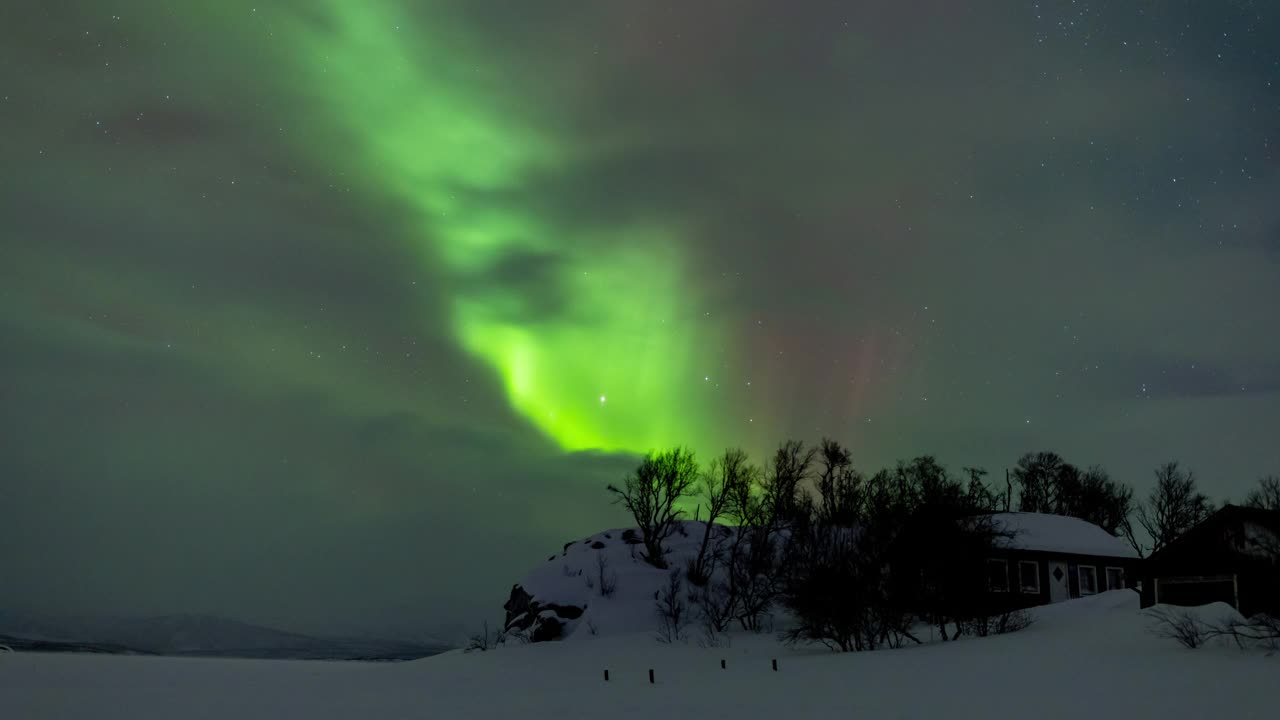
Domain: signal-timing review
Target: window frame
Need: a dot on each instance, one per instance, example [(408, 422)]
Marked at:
[(1080, 579), (1003, 564), (1022, 582), (1107, 572)]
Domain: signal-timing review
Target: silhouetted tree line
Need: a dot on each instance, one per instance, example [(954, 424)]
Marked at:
[(859, 560), (1049, 484)]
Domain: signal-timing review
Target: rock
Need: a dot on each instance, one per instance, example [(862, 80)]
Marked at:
[(548, 628), (568, 612), (597, 545), (517, 605), (539, 621), (630, 537)]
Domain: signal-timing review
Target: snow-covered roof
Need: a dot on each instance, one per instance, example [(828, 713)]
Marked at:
[(1059, 533)]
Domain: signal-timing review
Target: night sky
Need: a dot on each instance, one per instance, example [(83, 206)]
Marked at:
[(338, 314)]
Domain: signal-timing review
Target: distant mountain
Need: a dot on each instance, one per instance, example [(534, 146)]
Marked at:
[(194, 635), (30, 645)]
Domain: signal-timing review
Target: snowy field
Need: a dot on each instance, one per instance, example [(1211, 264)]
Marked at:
[(1091, 658)]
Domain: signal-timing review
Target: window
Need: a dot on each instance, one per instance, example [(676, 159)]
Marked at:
[(1115, 578), (998, 576), (1029, 576), (1088, 579)]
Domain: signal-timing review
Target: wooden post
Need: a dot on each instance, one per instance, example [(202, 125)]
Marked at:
[(721, 663), (650, 676), (1235, 591), (606, 676), (1155, 588), (775, 664)]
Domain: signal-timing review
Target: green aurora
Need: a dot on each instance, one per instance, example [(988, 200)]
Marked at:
[(426, 120)]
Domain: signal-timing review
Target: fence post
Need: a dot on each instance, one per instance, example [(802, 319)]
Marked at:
[(721, 663), (775, 664), (606, 676), (650, 676)]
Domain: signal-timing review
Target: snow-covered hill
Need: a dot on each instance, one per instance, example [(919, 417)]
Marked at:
[(1091, 658), (568, 595)]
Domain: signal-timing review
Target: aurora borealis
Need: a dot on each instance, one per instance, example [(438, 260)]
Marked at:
[(303, 298), (456, 146)]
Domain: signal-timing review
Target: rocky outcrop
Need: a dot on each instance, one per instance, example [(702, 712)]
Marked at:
[(538, 621), (546, 628)]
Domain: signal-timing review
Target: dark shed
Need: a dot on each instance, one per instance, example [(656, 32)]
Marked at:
[(1233, 556)]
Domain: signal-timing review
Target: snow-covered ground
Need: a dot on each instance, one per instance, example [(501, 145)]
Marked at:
[(1091, 658)]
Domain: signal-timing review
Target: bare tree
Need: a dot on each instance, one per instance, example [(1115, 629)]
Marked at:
[(764, 509), (485, 640), (1181, 625), (1266, 495), (1049, 484), (745, 505), (949, 534), (792, 465), (1260, 631), (746, 588), (607, 580), (931, 529), (1036, 475), (998, 624), (720, 484), (1093, 496), (752, 574), (1128, 532), (839, 485), (827, 585), (716, 606), (651, 494), (981, 496), (1173, 507), (671, 609)]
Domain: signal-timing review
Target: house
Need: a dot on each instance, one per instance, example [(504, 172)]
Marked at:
[(1233, 556), (1050, 558)]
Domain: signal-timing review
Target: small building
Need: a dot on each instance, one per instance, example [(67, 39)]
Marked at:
[(1052, 558), (1233, 556)]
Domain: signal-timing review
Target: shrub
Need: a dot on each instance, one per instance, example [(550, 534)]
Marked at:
[(1180, 625)]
